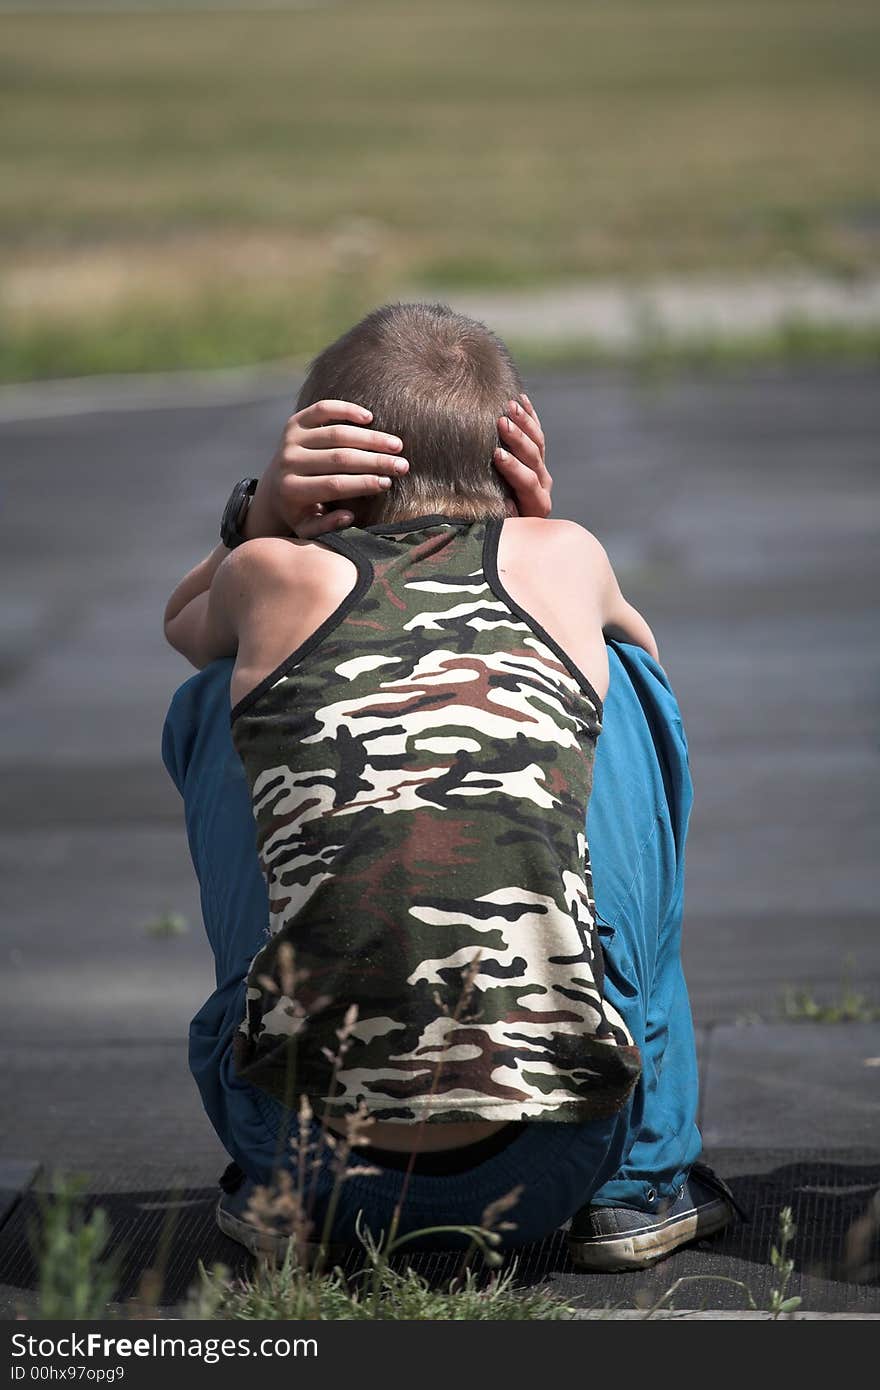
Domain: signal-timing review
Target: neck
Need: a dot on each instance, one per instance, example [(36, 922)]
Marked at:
[(376, 511)]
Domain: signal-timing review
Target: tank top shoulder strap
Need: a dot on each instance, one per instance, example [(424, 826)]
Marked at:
[(499, 589)]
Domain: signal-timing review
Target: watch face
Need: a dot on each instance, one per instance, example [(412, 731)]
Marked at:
[(235, 512)]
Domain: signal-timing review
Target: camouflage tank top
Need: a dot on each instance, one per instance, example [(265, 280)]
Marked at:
[(420, 769)]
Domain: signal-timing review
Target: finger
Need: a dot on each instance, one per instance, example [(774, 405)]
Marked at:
[(528, 428), (527, 421), (325, 412), (310, 463), (532, 498), (547, 478), (519, 443), (332, 489), (529, 407), (532, 414), (350, 437), (319, 525)]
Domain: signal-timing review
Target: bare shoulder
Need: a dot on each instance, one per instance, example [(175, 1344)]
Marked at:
[(267, 551), (272, 558), (568, 541)]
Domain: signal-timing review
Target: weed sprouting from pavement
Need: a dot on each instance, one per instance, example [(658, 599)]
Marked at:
[(76, 1273), (784, 1266), (167, 926)]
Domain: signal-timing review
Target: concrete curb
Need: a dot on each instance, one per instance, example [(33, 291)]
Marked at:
[(692, 1315), (45, 400)]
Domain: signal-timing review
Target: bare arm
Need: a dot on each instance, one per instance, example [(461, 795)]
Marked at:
[(619, 619), (585, 563), (200, 616), (195, 583)]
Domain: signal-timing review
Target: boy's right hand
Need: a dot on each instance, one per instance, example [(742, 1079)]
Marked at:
[(327, 454)]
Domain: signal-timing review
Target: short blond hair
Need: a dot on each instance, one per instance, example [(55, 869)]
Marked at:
[(439, 380)]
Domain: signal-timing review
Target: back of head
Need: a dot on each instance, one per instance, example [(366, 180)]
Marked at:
[(440, 381)]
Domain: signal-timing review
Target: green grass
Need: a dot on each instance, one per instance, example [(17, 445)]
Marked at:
[(167, 926), (286, 1293), (78, 1271), (186, 189), (225, 334), (843, 1003), (847, 1005), (850, 1006)]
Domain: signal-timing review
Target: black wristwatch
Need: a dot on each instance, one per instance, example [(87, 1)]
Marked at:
[(235, 511)]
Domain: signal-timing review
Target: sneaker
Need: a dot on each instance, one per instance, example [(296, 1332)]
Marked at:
[(622, 1238), (235, 1221)]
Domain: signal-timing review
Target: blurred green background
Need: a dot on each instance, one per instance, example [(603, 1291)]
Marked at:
[(203, 185)]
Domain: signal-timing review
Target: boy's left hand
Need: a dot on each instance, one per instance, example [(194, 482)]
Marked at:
[(521, 459)]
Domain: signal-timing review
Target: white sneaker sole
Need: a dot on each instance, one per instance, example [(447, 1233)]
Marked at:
[(247, 1234), (642, 1247)]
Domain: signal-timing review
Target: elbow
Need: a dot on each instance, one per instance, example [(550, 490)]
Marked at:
[(168, 627), (644, 638), (176, 639), (172, 611), (632, 628)]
